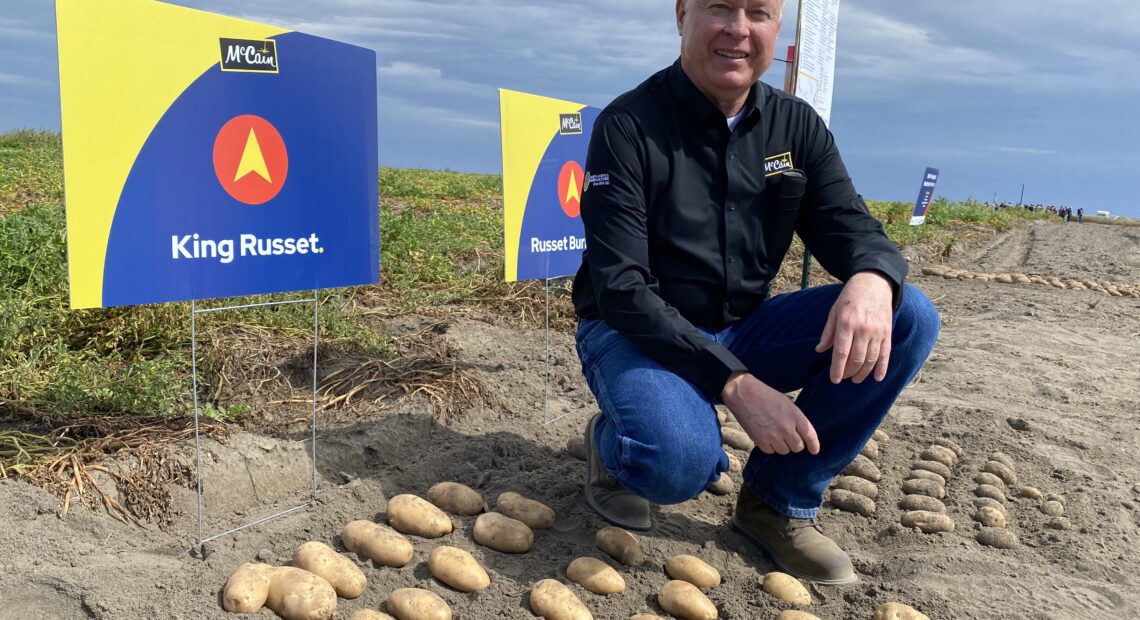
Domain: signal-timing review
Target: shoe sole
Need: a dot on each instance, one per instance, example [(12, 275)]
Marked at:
[(591, 454), (739, 529)]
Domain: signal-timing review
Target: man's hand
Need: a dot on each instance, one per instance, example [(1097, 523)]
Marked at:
[(775, 423), (859, 329)]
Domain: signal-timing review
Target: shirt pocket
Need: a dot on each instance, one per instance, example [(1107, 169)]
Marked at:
[(788, 189)]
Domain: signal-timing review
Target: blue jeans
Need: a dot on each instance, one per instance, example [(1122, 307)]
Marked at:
[(658, 435)]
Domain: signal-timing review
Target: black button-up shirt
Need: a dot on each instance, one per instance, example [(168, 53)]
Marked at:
[(687, 222)]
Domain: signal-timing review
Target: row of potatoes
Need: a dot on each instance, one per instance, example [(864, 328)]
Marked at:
[(1114, 289), (925, 488), (857, 489)]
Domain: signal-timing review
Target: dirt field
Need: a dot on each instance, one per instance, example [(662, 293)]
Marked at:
[(1048, 376)]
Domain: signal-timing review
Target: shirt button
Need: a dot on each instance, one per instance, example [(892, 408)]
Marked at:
[(732, 259), (732, 206), (732, 155)]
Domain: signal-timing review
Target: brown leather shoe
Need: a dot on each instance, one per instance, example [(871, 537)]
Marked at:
[(797, 546), (616, 504)]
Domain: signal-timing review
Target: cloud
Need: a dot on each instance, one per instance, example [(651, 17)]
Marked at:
[(894, 48), (1025, 150)]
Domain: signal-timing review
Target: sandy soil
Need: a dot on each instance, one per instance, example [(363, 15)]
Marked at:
[(1048, 376)]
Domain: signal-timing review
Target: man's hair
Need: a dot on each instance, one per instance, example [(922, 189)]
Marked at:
[(689, 3)]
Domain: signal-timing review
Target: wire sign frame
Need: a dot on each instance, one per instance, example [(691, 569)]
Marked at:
[(194, 312)]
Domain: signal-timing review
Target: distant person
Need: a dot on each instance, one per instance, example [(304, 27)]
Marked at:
[(709, 174), (1080, 214)]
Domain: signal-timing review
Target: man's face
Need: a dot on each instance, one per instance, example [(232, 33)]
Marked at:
[(727, 44)]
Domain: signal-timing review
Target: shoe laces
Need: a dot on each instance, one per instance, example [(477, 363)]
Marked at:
[(799, 524)]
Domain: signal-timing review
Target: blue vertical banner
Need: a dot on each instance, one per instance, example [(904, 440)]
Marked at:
[(929, 180)]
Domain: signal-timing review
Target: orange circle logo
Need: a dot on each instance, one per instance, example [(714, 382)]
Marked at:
[(570, 188), (250, 159)]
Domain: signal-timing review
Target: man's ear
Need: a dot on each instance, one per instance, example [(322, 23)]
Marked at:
[(680, 15)]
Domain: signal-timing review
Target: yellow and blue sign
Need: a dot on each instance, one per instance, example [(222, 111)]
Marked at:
[(207, 156), (544, 153)]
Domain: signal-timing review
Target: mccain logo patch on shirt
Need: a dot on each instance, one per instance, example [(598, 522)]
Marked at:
[(778, 163)]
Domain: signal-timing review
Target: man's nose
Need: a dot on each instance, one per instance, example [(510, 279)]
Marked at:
[(737, 24)]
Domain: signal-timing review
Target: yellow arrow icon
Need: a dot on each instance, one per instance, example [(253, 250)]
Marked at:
[(572, 188), (252, 160)]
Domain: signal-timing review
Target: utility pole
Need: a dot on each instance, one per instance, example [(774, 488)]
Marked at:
[(1022, 199)]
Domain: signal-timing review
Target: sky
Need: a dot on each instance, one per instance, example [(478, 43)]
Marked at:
[(995, 94)]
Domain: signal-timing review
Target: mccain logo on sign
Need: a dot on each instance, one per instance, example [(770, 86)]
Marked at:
[(571, 124), (249, 55)]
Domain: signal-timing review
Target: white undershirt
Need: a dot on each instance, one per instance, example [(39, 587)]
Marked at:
[(734, 120)]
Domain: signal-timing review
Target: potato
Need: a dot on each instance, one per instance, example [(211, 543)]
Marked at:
[(923, 487), (683, 600), (368, 614), (880, 436), (723, 486), (1030, 493), (992, 492), (862, 467), (551, 600), (694, 570), (736, 438), (990, 517), (922, 474), (1053, 497), (410, 514), (535, 514), (1053, 508), (997, 537), (852, 502), (928, 522), (595, 576), (786, 588), (922, 502), (417, 604), (458, 569), (982, 502), (296, 594), (933, 466), (871, 450), (645, 617), (247, 589), (375, 542), (502, 533), (940, 454), (990, 479), (458, 499), (795, 614), (576, 447), (936, 270), (1004, 459), (323, 561), (856, 485), (1002, 471), (620, 545), (1004, 278), (898, 611), (735, 465)]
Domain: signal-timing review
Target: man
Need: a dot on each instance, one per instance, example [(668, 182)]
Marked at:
[(696, 181)]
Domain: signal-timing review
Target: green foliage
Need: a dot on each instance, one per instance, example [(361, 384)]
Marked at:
[(442, 238), (441, 243)]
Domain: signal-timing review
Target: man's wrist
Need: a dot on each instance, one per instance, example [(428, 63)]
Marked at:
[(730, 385)]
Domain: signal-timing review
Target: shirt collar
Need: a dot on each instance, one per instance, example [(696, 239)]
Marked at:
[(694, 102)]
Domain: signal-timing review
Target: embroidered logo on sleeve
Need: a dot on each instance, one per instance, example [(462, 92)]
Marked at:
[(778, 163), (595, 180)]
